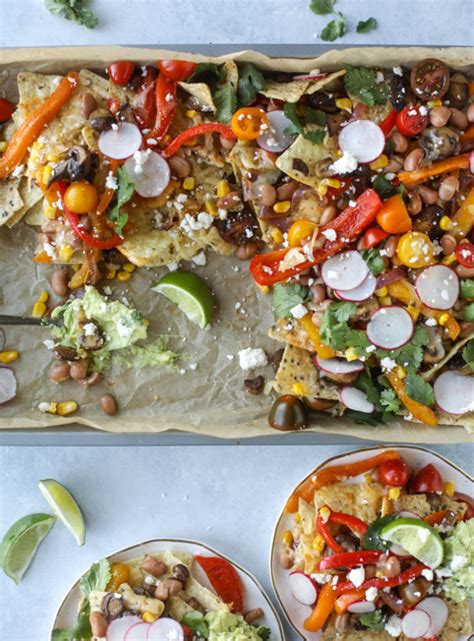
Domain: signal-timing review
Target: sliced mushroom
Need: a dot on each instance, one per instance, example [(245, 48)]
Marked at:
[(318, 404), (439, 142), (80, 164), (180, 573), (101, 120), (111, 606), (434, 351), (342, 378)]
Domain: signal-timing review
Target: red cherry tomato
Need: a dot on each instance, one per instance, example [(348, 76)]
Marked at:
[(121, 71), (176, 69), (394, 473), (374, 237), (427, 480), (464, 498), (410, 122), (6, 109), (465, 254)]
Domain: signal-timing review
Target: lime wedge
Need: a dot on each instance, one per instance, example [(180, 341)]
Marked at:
[(21, 541), (190, 293), (417, 538), (65, 507)]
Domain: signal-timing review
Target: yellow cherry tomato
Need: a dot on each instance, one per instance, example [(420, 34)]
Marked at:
[(299, 231), (81, 197), (415, 250), (249, 123), (119, 573)]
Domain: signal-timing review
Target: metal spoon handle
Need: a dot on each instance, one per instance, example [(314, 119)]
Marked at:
[(21, 320)]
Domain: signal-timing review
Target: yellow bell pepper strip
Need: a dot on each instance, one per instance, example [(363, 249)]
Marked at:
[(314, 335), (463, 219), (34, 124), (323, 608), (409, 178), (419, 411)]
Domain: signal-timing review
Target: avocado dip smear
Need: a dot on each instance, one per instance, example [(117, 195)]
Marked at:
[(459, 562), (106, 331), (225, 626)]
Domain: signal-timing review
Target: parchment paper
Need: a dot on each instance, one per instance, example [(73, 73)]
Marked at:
[(208, 400)]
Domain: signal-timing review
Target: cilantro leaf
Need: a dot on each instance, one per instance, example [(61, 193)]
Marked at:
[(361, 82), (322, 7), (82, 629), (285, 297), (73, 10), (372, 620), (125, 191), (316, 136), (334, 29), (419, 390), (361, 418), (195, 620), (207, 72), (290, 111), (338, 334), (251, 81), (343, 311), (264, 632), (364, 26), (225, 101), (469, 313), (383, 187), (96, 578), (314, 116), (390, 401), (467, 288), (410, 355), (365, 383), (374, 260), (468, 355)]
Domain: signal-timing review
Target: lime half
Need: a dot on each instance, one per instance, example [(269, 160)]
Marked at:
[(65, 506), (21, 541), (417, 538), (190, 293)]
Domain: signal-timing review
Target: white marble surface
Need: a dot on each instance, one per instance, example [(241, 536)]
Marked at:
[(227, 496), (430, 22)]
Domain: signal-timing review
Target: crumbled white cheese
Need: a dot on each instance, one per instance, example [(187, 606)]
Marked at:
[(431, 322), (17, 172), (90, 329), (111, 181), (458, 562), (199, 259), (44, 407), (379, 77), (371, 594), (393, 627), (172, 266), (321, 578), (123, 329), (252, 357), (356, 576), (346, 164), (48, 343), (387, 364), (397, 71), (298, 311), (140, 158), (330, 234), (423, 534), (428, 574)]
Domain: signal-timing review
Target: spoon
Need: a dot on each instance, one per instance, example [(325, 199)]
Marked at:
[(27, 320)]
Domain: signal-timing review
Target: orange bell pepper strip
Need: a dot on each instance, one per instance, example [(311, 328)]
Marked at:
[(334, 474), (419, 411), (394, 217), (346, 599), (435, 518), (42, 257), (314, 335), (34, 124), (468, 135), (323, 609), (463, 219), (410, 178)]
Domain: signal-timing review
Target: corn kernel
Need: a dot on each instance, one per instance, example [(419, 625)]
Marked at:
[(54, 157), (190, 113), (265, 289), (385, 301), (435, 103), (277, 235), (223, 188), (368, 478), (50, 212), (9, 356), (39, 310), (443, 319), (400, 372), (66, 252), (394, 493), (297, 518), (446, 223), (288, 538), (325, 513), (110, 274), (45, 176), (351, 354), (413, 311), (449, 260), (282, 207), (146, 322), (43, 297), (379, 574), (318, 543), (211, 207), (67, 407), (322, 189), (3, 146), (189, 183), (332, 182), (53, 408), (299, 389), (387, 506), (149, 617), (381, 292), (449, 488), (123, 276), (129, 267), (380, 163), (344, 103)]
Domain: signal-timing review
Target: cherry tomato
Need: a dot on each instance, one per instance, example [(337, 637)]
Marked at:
[(427, 480), (121, 71), (119, 573), (113, 105), (249, 123), (299, 231), (465, 254), (394, 473), (81, 197), (464, 498), (374, 237), (411, 121), (176, 69), (415, 250), (6, 109), (429, 79)]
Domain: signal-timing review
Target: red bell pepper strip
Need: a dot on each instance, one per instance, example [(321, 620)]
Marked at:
[(35, 123), (349, 559), (322, 528), (374, 236), (224, 579), (198, 130), (144, 104), (389, 123), (348, 225), (166, 104), (75, 222), (334, 192), (352, 522), (386, 582)]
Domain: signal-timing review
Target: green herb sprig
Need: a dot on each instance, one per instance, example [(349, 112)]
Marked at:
[(73, 10)]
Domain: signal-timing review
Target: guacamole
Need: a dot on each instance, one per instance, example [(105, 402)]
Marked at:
[(459, 562), (224, 626)]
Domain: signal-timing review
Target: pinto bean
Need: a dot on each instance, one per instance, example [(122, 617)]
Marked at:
[(286, 191), (88, 105), (226, 143), (59, 282), (108, 405), (464, 272), (98, 623), (439, 116), (59, 372), (78, 369), (328, 214), (415, 204), (179, 166), (319, 293), (390, 246), (392, 567), (253, 615), (167, 588), (268, 195), (229, 201), (153, 566), (467, 328), (393, 167), (458, 119), (246, 252), (285, 559), (448, 188), (413, 159), (428, 196), (448, 244), (400, 142)]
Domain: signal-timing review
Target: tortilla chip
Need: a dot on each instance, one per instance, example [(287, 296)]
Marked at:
[(10, 199), (288, 330), (35, 215), (307, 532), (452, 352), (292, 91), (31, 195), (305, 150), (416, 503), (330, 634), (201, 94), (458, 623), (358, 499)]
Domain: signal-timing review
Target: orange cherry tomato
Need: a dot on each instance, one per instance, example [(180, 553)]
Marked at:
[(119, 573), (374, 237), (299, 231), (249, 123), (6, 109), (410, 120), (81, 197), (394, 217), (121, 71), (177, 70)]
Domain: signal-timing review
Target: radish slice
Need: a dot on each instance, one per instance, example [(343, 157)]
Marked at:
[(438, 287), (7, 385), (316, 76), (362, 607), (338, 365), (363, 139), (345, 271), (138, 632), (406, 514), (438, 612), (416, 624), (454, 392), (119, 627), (275, 139), (303, 588), (120, 142), (165, 629), (390, 327), (150, 173), (471, 162), (364, 291), (356, 399)]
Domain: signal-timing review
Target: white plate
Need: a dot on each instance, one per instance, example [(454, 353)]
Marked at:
[(416, 457), (255, 596)]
